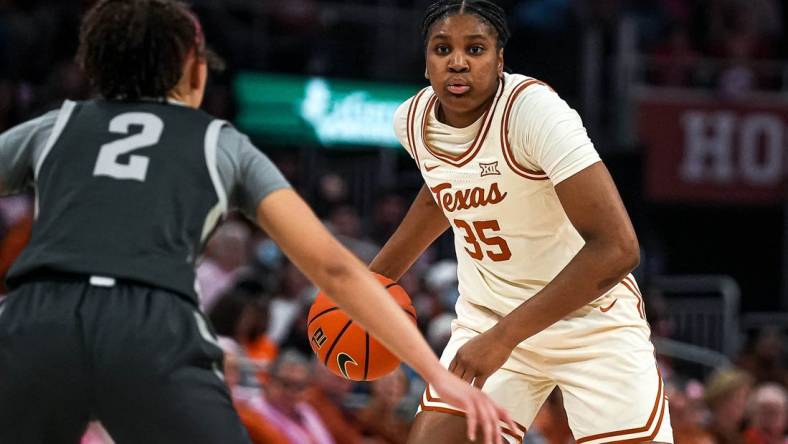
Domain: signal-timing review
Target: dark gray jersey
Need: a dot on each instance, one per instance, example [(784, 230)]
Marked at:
[(129, 190)]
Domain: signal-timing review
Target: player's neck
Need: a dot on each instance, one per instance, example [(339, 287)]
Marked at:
[(182, 99), (461, 119)]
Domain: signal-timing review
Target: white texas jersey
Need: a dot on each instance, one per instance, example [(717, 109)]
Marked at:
[(511, 234)]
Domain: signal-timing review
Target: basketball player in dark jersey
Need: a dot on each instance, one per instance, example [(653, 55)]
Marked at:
[(102, 319)]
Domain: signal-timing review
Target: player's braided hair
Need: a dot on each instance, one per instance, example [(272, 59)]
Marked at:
[(486, 10), (133, 49)]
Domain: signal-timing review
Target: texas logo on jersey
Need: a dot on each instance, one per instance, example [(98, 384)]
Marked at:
[(464, 199)]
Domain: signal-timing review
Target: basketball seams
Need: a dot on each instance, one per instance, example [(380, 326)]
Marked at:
[(326, 311), (405, 309), (336, 340), (366, 354)]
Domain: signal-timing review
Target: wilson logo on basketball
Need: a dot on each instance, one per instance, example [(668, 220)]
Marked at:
[(319, 338), (454, 200)]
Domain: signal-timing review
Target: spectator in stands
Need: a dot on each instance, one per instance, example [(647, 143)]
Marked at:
[(242, 314), (326, 395), (687, 413), (439, 331), (389, 211), (675, 60), (16, 221), (345, 224), (95, 434), (296, 337), (766, 359), (290, 376), (737, 35), (768, 415), (726, 395), (331, 193), (290, 308), (248, 399), (380, 417), (224, 256)]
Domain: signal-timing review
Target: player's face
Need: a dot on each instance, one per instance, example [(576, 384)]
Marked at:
[(463, 66)]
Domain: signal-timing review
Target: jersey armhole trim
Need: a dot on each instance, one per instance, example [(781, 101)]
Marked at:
[(508, 153), (60, 124), (414, 104), (211, 153)]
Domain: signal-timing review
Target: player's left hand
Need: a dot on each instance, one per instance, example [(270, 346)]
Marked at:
[(479, 358)]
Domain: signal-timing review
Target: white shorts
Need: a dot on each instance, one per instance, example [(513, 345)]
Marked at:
[(602, 361)]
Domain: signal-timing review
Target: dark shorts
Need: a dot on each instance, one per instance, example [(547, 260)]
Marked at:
[(140, 360)]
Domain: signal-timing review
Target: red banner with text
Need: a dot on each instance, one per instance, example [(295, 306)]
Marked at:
[(708, 150)]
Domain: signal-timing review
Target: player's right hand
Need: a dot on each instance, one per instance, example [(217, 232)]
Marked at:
[(480, 411)]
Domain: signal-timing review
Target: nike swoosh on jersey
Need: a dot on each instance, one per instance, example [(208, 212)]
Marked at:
[(606, 309), (343, 359), (429, 168)]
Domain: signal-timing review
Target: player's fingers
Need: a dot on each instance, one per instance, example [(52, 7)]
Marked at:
[(470, 420), (498, 428), (458, 368), (489, 423), (453, 364), (479, 381), (459, 371), (467, 375)]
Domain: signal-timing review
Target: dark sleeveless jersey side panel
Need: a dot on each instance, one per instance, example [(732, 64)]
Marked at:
[(104, 217)]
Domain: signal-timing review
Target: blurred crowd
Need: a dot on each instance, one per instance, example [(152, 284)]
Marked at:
[(732, 45), (735, 47)]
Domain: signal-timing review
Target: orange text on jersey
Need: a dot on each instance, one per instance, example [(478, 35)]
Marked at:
[(453, 200)]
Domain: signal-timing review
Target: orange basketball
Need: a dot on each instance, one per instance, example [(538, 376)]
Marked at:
[(344, 346)]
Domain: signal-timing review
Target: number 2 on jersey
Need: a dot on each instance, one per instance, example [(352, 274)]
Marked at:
[(473, 235), (137, 167)]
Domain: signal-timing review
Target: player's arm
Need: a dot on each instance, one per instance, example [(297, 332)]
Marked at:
[(301, 236), (20, 147), (423, 223), (593, 205)]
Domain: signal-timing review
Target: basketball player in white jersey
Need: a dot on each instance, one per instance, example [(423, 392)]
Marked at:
[(544, 245)]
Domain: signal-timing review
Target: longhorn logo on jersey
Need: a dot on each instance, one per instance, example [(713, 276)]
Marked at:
[(454, 200)]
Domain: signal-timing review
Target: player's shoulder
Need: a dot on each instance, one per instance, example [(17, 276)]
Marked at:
[(407, 109), (231, 139), (413, 101), (43, 123), (518, 87)]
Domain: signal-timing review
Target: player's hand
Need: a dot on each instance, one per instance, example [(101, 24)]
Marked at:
[(479, 358), (480, 411)]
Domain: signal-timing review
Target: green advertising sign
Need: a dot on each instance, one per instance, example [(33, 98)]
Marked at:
[(294, 109)]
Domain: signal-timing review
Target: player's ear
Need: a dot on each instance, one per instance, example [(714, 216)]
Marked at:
[(199, 72), (500, 63)]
